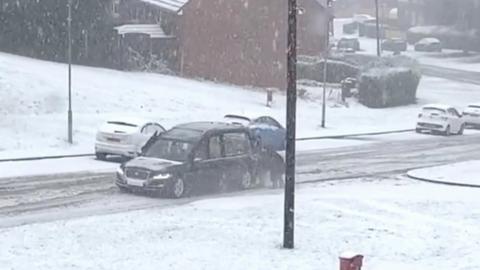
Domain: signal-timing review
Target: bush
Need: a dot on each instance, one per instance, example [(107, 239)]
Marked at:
[(450, 37), (389, 82), (310, 68)]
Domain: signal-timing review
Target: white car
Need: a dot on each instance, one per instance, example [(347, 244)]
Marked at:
[(471, 115), (124, 137), (440, 118)]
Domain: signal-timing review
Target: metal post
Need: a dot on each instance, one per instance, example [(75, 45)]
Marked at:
[(70, 114), (288, 228), (325, 67), (379, 53)]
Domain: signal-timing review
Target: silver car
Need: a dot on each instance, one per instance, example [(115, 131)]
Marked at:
[(124, 137)]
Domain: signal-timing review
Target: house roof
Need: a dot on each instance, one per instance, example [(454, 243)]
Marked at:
[(153, 30), (169, 5)]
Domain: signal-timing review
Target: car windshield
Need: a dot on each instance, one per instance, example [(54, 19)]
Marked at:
[(169, 149)]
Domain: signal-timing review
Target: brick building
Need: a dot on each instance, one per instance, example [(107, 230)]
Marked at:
[(235, 41)]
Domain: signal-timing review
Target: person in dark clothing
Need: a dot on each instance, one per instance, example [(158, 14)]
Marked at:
[(271, 168)]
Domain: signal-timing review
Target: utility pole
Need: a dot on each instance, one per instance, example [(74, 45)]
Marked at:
[(289, 207), (70, 114), (379, 53)]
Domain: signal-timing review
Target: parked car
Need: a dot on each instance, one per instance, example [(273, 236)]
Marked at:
[(438, 118), (428, 45), (471, 115), (124, 137), (360, 18), (348, 45), (394, 45), (268, 131), (192, 157)]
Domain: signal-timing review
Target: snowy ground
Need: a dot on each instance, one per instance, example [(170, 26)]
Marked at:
[(33, 105), (393, 222), (463, 173), (448, 58)]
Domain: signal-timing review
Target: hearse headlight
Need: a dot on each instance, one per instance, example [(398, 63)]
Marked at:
[(120, 171), (162, 176)]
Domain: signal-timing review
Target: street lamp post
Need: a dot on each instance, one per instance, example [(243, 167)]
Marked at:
[(288, 228), (379, 53), (70, 114), (325, 65)]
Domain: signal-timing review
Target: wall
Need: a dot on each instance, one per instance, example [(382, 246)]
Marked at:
[(243, 41)]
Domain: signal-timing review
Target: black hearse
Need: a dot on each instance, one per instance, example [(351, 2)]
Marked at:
[(193, 157)]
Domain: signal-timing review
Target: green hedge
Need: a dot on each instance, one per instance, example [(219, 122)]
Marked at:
[(389, 82)]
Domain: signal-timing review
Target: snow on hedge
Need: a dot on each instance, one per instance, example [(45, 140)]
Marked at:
[(389, 81)]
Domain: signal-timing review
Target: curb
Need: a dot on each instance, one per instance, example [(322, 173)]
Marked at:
[(298, 140), (442, 182), (355, 135), (45, 157)]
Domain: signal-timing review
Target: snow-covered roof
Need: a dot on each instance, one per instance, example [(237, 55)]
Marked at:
[(153, 30), (169, 5)]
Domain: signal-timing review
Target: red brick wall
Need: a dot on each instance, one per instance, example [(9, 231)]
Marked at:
[(243, 41)]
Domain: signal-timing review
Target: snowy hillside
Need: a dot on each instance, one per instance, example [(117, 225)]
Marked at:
[(33, 108)]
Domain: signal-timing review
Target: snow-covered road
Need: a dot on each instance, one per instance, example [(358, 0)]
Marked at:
[(396, 223), (464, 76), (44, 198)]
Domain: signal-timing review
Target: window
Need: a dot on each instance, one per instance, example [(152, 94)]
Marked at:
[(116, 7), (268, 121), (431, 110), (453, 112), (151, 129), (215, 148), (235, 144), (169, 149), (201, 153)]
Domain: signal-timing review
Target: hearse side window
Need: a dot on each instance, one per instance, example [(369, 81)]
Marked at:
[(235, 144), (202, 151), (215, 148)]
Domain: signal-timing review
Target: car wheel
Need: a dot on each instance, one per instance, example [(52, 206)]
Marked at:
[(124, 189), (101, 156), (247, 181), (462, 129), (418, 130), (176, 188), (447, 131)]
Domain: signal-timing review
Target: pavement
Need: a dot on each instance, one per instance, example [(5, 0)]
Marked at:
[(465, 174), (472, 77)]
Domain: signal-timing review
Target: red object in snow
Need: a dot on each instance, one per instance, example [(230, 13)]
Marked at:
[(351, 261)]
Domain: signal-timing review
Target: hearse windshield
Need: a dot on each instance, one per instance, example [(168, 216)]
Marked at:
[(169, 149)]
